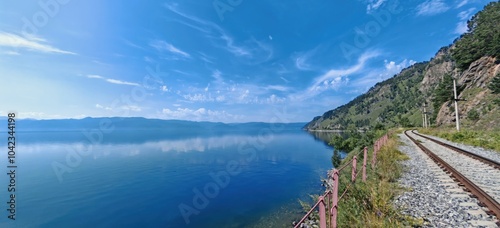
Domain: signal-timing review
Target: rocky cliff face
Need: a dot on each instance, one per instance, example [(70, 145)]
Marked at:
[(477, 97)]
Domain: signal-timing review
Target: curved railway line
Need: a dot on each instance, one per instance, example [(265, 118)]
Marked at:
[(448, 162)]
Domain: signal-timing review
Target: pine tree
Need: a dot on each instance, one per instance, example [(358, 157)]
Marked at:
[(495, 84), (336, 158)]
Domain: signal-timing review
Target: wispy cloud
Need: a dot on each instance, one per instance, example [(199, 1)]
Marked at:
[(217, 75), (214, 32), (334, 73), (462, 24), (432, 7), (94, 76), (461, 28), (334, 78), (389, 69), (301, 60), (133, 108), (200, 114), (120, 82), (278, 88), (113, 81), (465, 15), (162, 45), (462, 3), (11, 53), (31, 43), (374, 5)]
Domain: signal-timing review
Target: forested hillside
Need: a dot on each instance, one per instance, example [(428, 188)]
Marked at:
[(473, 60)]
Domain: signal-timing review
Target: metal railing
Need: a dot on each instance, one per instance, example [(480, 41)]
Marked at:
[(327, 204)]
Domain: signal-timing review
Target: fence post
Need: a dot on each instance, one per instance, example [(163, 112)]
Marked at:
[(322, 217), (364, 163), (335, 197), (353, 173), (374, 156), (328, 205)]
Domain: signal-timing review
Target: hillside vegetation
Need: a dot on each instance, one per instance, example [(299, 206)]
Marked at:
[(473, 60)]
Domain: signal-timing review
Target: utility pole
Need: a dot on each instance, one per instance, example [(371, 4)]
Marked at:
[(456, 104), (425, 116), (423, 119)]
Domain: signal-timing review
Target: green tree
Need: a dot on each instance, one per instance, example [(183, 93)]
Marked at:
[(336, 158), (405, 122), (482, 38), (443, 93), (473, 115), (494, 85)]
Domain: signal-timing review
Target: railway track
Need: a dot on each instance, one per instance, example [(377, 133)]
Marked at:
[(476, 174), (488, 161)]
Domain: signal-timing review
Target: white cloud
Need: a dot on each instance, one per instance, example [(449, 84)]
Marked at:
[(391, 68), (465, 15), (32, 43), (133, 108), (214, 32), (432, 7), (334, 73), (334, 83), (300, 63), (113, 81), (164, 88), (220, 98), (38, 115), (200, 114), (462, 24), (235, 49), (199, 97), (11, 53), (277, 87), (374, 5), (119, 82), (217, 75), (103, 107), (462, 3), (162, 45), (461, 28), (301, 59), (273, 99), (94, 76)]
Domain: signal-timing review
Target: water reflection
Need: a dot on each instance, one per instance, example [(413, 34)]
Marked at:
[(324, 136), (158, 171)]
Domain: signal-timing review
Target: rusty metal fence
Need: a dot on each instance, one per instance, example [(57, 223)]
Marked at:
[(327, 204)]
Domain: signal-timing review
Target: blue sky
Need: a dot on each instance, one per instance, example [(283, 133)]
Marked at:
[(211, 60)]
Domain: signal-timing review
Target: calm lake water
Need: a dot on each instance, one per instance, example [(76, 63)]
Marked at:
[(139, 178)]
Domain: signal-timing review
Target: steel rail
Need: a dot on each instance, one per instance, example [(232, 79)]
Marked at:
[(482, 196), (480, 158)]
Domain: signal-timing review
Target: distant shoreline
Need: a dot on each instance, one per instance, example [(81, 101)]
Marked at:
[(333, 131)]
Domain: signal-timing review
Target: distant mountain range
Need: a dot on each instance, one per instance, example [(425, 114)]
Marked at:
[(139, 123)]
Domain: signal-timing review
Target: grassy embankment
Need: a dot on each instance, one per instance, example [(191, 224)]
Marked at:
[(369, 204), (485, 139)]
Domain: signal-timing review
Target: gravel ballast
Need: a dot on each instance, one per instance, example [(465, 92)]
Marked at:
[(431, 195)]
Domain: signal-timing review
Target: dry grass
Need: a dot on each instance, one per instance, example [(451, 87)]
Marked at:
[(369, 204), (486, 139)]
